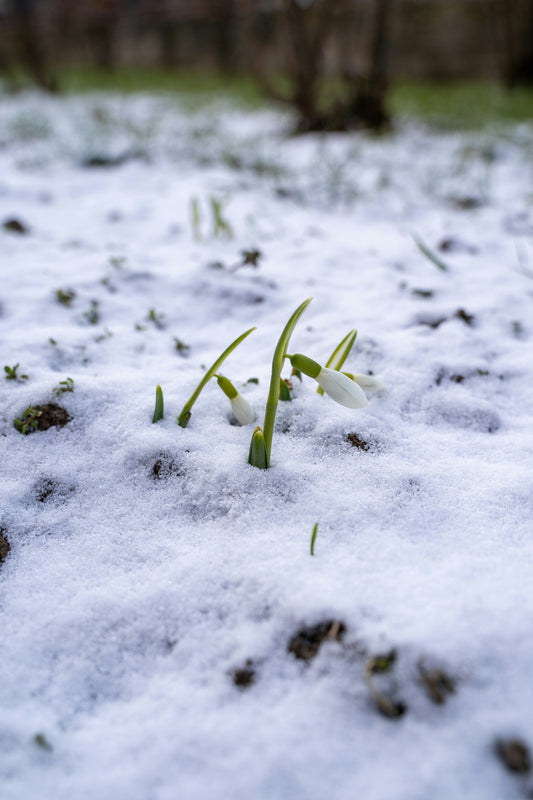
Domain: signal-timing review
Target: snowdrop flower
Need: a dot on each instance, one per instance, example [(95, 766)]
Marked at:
[(366, 382), (339, 386), (242, 410)]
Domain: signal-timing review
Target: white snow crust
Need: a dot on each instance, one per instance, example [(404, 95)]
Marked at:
[(128, 600)]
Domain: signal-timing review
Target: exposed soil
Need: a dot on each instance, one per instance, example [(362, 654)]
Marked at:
[(48, 489), (306, 643), (356, 441), (164, 466), (514, 754), (15, 226), (385, 701), (5, 547), (45, 417), (244, 677), (437, 683)]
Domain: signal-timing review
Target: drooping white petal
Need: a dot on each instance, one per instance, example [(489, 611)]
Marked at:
[(242, 409), (341, 388), (368, 383)]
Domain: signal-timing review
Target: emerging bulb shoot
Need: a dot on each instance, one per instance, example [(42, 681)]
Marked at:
[(258, 456)]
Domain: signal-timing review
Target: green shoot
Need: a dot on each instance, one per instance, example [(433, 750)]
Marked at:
[(196, 219), (340, 354), (185, 413), (378, 665), (181, 347), (431, 255), (313, 538), (64, 386), (92, 315), (157, 319), (41, 741), (159, 406), (66, 297), (11, 374), (221, 226), (284, 390), (29, 421), (256, 458)]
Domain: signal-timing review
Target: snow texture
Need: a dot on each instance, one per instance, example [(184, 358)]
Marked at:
[(150, 566)]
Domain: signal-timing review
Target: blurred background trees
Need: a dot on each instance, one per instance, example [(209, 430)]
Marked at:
[(332, 60)]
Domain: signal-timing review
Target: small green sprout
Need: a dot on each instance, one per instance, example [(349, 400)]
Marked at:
[(29, 421), (159, 406), (185, 414), (157, 319), (181, 347), (313, 538), (378, 665), (64, 386), (242, 410), (340, 354), (430, 255), (65, 297), (41, 741), (221, 226), (103, 336), (11, 374), (258, 455), (196, 218), (92, 315), (249, 258)]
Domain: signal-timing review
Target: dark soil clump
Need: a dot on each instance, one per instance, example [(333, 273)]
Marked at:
[(52, 416), (514, 754), (306, 643), (356, 441), (244, 676), (438, 684), (15, 226), (5, 547)]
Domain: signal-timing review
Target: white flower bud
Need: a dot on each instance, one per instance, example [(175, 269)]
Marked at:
[(341, 388), (242, 410)]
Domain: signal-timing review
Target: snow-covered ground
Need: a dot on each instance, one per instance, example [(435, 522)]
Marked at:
[(155, 581)]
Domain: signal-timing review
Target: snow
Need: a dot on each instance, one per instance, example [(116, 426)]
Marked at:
[(128, 601)]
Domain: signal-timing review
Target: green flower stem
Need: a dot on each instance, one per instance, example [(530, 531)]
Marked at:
[(340, 354), (185, 413), (159, 408), (277, 365)]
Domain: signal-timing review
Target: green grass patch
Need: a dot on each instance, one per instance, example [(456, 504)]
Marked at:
[(196, 88), (462, 104)]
